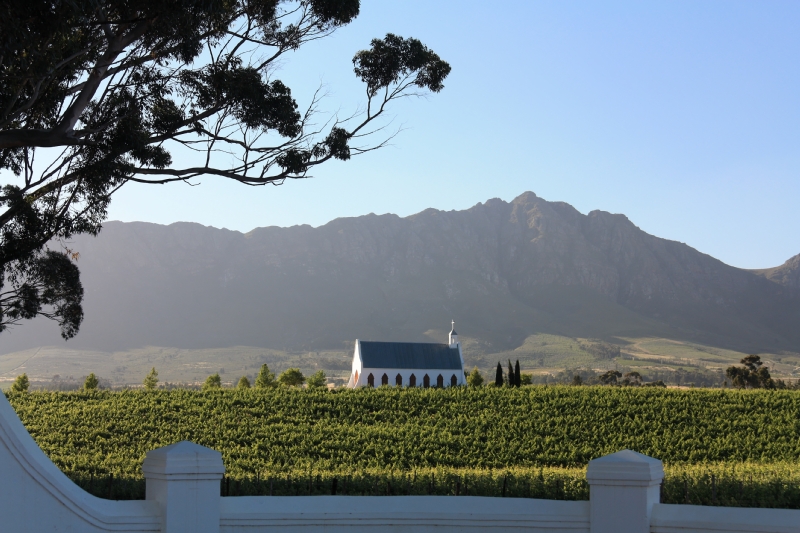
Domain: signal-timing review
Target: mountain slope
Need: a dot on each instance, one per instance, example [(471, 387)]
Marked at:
[(502, 270), (787, 274)]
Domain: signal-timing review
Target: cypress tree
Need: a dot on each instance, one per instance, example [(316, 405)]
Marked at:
[(511, 379), (517, 375), (498, 380)]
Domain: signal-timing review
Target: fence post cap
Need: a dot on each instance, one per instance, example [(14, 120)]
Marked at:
[(625, 466), (183, 458)]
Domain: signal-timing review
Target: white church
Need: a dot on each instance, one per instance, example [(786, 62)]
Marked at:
[(408, 364)]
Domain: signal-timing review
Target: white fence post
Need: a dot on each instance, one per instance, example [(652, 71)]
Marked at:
[(183, 479), (623, 487)]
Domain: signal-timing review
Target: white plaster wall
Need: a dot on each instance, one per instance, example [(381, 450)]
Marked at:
[(356, 366), (35, 496), (433, 373), (702, 519), (401, 513)]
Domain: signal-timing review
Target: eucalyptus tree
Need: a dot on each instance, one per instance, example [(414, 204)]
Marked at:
[(96, 94), (751, 375)]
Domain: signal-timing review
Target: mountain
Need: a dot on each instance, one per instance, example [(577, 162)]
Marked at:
[(502, 270), (787, 274)]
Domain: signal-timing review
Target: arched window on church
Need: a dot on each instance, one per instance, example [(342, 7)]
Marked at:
[(453, 381), (440, 382), (371, 380), (426, 381), (384, 380), (356, 378), (412, 381), (398, 380)]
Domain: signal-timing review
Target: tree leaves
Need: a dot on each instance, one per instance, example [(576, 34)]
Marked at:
[(395, 59), (118, 86), (753, 375), (52, 280)]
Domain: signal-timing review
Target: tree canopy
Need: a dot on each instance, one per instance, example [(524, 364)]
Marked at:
[(751, 375), (292, 377), (96, 94), (610, 377), (475, 379), (265, 378), (91, 383), (150, 381), (214, 381), (21, 384), (317, 380)]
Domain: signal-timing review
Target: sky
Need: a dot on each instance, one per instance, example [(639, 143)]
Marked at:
[(682, 115)]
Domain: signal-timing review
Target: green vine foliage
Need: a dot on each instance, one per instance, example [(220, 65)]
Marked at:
[(538, 439)]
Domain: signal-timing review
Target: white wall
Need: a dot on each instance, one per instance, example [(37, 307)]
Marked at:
[(401, 513), (183, 497), (406, 374), (701, 519), (35, 496), (357, 366)]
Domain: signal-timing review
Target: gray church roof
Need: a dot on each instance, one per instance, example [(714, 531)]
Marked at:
[(409, 355)]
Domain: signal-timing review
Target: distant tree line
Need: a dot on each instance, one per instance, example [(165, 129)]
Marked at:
[(59, 383), (752, 374), (513, 378), (291, 377)]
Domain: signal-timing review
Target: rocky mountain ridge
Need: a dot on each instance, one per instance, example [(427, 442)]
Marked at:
[(787, 274), (502, 270)]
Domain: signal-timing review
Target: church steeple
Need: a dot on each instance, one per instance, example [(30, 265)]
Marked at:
[(453, 335)]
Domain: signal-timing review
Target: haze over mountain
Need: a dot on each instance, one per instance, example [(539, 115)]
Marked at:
[(502, 270)]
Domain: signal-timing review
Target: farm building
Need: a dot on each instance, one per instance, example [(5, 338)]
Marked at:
[(408, 364)]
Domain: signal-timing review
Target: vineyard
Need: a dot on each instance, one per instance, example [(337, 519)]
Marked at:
[(719, 446)]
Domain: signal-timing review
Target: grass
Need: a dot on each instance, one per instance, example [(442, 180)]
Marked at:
[(681, 350)]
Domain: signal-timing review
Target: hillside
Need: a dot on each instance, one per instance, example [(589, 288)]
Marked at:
[(503, 270), (787, 274)]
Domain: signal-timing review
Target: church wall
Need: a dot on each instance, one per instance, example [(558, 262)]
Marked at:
[(406, 375), (356, 370)]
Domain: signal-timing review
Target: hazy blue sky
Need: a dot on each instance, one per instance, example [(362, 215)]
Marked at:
[(685, 116)]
